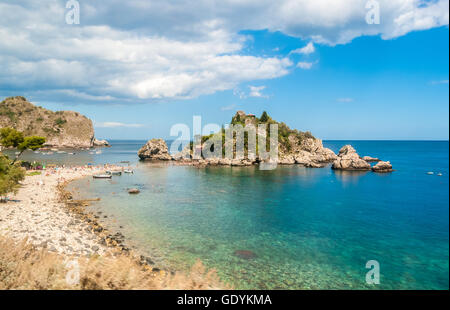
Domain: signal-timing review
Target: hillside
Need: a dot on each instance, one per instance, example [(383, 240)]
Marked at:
[(61, 128)]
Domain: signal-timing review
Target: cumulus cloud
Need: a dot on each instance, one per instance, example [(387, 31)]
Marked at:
[(305, 65), (256, 91), (143, 50), (308, 49)]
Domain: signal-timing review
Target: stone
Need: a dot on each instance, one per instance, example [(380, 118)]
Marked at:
[(100, 143), (133, 191), (370, 159), (155, 149), (382, 166), (348, 159), (245, 254)]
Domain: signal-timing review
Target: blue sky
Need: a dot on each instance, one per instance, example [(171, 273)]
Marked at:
[(385, 82)]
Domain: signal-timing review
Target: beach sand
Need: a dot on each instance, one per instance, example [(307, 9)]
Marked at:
[(37, 214)]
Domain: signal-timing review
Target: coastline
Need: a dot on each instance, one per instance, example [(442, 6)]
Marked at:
[(42, 228), (37, 213)]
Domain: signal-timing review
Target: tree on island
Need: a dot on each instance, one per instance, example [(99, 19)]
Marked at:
[(264, 117), (10, 137)]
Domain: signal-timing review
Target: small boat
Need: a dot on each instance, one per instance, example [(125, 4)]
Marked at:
[(50, 153), (71, 153), (60, 152), (36, 152), (125, 162), (114, 172), (128, 171), (98, 152), (439, 174), (102, 176), (91, 153), (430, 172)]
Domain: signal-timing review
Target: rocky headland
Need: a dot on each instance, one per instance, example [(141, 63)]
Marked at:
[(62, 129), (294, 147)]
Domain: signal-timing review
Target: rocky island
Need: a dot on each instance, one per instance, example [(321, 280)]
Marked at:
[(62, 129), (294, 147)]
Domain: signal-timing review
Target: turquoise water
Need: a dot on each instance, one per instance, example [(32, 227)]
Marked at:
[(300, 228)]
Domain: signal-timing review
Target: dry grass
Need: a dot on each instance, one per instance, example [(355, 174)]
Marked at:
[(24, 267)]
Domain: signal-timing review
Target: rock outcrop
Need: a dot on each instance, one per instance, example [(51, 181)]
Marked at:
[(62, 129), (155, 149), (382, 166), (100, 143), (370, 159), (348, 159), (294, 147)]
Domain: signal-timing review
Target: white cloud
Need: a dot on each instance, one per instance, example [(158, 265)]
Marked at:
[(256, 91), (439, 82), (160, 50), (305, 65), (228, 108), (117, 124), (345, 99), (308, 49)]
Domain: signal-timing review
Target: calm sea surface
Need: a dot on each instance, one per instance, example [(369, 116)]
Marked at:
[(293, 227)]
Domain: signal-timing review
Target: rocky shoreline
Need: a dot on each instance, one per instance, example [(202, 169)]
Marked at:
[(37, 214), (294, 148), (44, 213), (311, 154)]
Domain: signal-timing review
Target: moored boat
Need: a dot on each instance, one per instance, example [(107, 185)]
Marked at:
[(114, 172), (102, 176)]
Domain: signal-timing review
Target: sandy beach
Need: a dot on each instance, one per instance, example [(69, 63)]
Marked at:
[(37, 214)]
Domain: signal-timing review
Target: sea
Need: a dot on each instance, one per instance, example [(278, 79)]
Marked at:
[(287, 228)]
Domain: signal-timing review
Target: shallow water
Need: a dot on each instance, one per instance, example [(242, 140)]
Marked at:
[(293, 227)]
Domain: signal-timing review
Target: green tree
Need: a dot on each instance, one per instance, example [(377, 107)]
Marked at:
[(10, 176), (9, 137), (264, 117)]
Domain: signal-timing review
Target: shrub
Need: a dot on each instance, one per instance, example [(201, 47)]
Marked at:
[(60, 121), (10, 176)]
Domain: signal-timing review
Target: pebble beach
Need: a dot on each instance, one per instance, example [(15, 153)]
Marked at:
[(36, 213)]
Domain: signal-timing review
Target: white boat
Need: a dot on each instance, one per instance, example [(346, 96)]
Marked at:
[(98, 152), (430, 172), (128, 171), (114, 172), (102, 176)]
